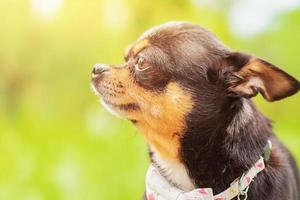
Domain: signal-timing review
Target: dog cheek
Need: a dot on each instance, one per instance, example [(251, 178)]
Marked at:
[(156, 111)]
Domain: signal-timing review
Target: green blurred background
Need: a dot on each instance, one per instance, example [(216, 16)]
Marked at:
[(56, 141)]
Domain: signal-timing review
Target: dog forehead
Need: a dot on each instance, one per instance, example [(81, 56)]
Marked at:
[(186, 38), (180, 30), (169, 25), (179, 47), (155, 34)]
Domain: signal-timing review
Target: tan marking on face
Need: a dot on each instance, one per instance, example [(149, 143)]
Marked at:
[(113, 89), (140, 46), (127, 51), (163, 118), (161, 115)]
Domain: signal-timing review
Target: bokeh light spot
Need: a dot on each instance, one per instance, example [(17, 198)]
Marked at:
[(115, 14), (47, 9), (248, 18)]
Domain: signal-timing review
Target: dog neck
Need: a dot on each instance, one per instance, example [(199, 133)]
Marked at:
[(218, 150)]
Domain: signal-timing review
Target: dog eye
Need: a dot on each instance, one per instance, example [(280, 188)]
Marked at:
[(140, 66)]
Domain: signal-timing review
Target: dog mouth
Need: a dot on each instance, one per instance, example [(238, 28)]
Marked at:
[(119, 106), (111, 93), (126, 106)]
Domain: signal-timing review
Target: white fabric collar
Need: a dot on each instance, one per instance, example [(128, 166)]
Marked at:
[(158, 188)]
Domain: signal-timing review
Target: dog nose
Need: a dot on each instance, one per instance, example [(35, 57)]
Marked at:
[(99, 69)]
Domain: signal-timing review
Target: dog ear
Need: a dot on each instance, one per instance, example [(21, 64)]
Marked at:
[(247, 76)]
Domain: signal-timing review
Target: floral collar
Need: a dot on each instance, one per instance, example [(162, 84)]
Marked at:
[(158, 188)]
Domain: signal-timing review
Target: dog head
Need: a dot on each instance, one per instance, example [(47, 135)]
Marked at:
[(178, 68)]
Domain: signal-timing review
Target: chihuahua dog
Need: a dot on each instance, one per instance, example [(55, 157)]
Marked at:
[(190, 97)]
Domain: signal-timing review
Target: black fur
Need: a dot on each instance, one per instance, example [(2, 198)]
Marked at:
[(225, 134), (213, 155)]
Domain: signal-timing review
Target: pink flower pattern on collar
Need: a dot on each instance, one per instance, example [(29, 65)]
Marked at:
[(158, 188)]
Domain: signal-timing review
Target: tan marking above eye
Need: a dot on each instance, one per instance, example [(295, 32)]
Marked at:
[(140, 46), (127, 52)]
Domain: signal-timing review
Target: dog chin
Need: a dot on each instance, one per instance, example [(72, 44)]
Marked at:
[(107, 106), (110, 108), (97, 93)]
